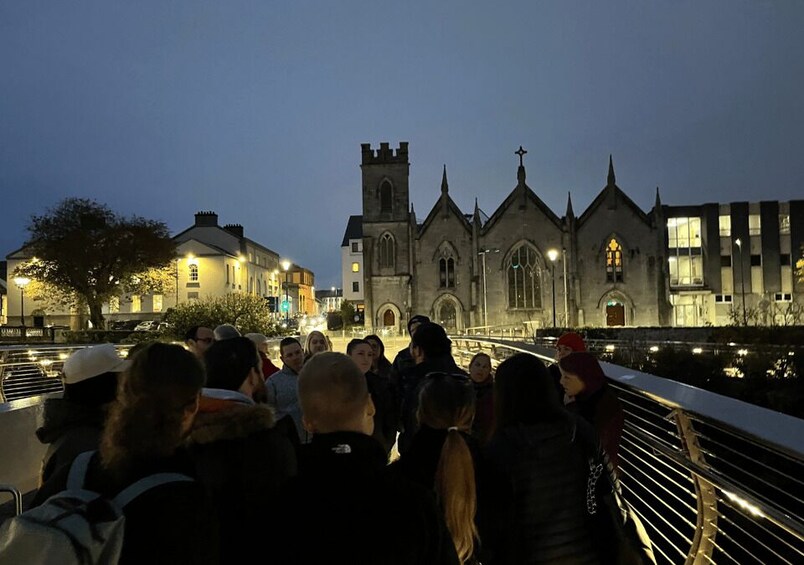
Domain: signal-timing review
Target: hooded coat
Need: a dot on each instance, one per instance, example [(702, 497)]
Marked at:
[(244, 461)]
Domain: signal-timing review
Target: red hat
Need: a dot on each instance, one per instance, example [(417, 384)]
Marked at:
[(572, 340)]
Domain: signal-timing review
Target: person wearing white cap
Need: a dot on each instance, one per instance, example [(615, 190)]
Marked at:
[(73, 423)]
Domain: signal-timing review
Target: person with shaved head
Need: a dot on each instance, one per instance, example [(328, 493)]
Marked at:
[(344, 506)]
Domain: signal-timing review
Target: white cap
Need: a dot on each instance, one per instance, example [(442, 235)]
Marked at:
[(91, 362), (258, 339)]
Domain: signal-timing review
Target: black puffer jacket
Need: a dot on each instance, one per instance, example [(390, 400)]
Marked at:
[(536, 506), (345, 507)]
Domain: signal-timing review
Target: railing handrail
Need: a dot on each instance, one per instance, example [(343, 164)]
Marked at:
[(783, 431)]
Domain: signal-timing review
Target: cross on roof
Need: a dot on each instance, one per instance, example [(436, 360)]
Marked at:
[(521, 154)]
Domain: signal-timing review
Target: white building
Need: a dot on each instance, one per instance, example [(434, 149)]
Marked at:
[(352, 263)]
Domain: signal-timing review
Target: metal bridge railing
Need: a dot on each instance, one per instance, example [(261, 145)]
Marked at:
[(713, 479)]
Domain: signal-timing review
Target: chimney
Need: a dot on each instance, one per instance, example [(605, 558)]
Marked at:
[(234, 229), (206, 220)]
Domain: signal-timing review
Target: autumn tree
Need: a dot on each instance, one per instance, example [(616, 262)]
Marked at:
[(247, 312), (84, 254)]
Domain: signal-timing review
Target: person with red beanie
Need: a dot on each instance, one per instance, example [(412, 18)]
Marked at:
[(565, 345), (584, 383)]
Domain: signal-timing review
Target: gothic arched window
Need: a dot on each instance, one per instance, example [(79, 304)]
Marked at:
[(524, 279), (386, 197), (447, 316), (446, 272), (614, 261), (193, 269), (386, 252)]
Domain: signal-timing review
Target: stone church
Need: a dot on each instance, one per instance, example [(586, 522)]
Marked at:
[(523, 265)]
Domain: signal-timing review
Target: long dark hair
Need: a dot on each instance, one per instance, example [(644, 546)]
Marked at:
[(229, 362), (524, 392), (447, 402), (153, 397)]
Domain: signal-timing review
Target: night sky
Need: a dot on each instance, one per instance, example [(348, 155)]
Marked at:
[(256, 110)]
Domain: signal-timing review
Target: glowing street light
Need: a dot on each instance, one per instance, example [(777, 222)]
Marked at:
[(552, 254), (21, 283)]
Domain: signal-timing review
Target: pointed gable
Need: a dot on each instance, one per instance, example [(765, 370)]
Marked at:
[(614, 197), (524, 193)]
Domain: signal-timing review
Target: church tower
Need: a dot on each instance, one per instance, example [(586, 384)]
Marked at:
[(388, 232)]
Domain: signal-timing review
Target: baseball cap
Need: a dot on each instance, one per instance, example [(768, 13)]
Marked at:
[(91, 362)]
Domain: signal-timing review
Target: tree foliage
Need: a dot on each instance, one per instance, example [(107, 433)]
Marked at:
[(348, 314), (247, 312), (85, 254)]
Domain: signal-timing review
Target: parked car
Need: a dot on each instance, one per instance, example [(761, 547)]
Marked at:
[(147, 326), (122, 325)]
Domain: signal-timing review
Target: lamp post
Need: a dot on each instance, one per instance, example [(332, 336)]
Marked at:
[(21, 283), (286, 267), (485, 307), (742, 278), (552, 254)]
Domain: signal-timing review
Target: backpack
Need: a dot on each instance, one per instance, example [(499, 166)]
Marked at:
[(76, 525)]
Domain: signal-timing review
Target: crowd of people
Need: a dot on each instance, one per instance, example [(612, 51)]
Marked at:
[(297, 463)]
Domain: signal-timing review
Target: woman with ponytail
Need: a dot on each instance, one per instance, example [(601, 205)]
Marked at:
[(156, 403), (442, 455)]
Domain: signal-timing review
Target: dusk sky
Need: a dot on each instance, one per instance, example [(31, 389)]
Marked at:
[(257, 110)]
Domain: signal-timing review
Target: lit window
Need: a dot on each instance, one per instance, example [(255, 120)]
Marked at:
[(614, 261), (114, 305), (754, 224), (355, 267), (784, 224), (725, 225), (684, 232), (686, 270), (193, 273), (157, 302), (524, 279), (136, 303)]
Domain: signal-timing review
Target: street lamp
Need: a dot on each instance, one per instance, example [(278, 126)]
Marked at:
[(552, 254), (286, 267), (485, 307), (742, 278), (21, 283)]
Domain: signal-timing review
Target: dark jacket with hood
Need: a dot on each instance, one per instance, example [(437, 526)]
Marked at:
[(603, 410), (535, 510), (70, 428), (346, 507), (243, 462), (483, 424)]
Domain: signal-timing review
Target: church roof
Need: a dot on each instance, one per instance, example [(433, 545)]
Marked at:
[(437, 208), (354, 230), (530, 195), (612, 190)]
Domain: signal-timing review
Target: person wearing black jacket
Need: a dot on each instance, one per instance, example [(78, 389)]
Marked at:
[(431, 351), (345, 506), (536, 505)]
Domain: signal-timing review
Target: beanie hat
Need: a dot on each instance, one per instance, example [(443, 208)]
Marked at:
[(587, 368), (417, 319), (91, 362), (573, 341), (432, 339)]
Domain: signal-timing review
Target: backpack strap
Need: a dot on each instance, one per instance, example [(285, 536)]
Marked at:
[(147, 483), (78, 471)]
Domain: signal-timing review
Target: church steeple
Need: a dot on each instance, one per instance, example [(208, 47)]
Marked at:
[(476, 214), (611, 179), (570, 213), (444, 183), (658, 203)]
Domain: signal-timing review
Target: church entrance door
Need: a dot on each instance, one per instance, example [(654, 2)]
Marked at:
[(388, 318), (615, 313)]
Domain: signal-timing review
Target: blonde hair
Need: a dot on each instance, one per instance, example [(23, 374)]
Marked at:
[(448, 402), (307, 353)]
